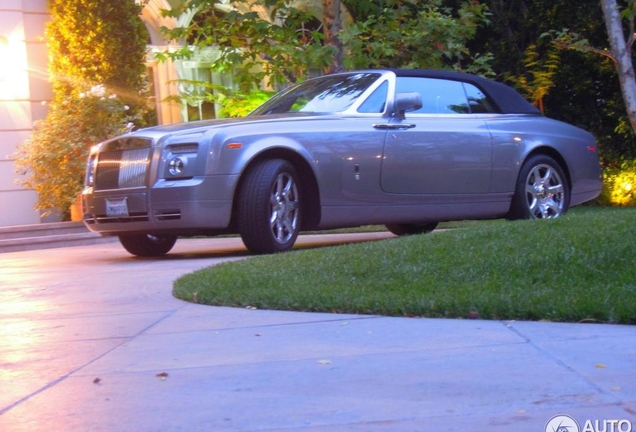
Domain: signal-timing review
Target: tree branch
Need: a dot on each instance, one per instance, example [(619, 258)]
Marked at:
[(585, 48)]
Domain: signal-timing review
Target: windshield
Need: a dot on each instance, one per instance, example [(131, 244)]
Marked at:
[(328, 94)]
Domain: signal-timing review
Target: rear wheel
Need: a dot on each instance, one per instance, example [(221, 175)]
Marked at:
[(148, 245), (269, 207), (411, 229), (542, 191)]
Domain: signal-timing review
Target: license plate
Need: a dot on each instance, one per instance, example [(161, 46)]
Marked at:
[(117, 207)]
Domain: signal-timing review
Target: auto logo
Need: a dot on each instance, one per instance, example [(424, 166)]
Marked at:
[(562, 423)]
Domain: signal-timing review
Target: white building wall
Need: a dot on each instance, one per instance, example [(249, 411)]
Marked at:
[(24, 87)]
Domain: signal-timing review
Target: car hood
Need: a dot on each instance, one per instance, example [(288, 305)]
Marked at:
[(205, 125)]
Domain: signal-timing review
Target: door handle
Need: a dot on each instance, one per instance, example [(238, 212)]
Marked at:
[(393, 126)]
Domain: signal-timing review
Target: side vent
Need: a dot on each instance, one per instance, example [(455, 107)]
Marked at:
[(168, 215)]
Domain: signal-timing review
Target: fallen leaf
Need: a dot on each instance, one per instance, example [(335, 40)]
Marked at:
[(257, 334), (346, 323), (97, 380), (616, 388), (324, 362), (600, 365), (162, 376)]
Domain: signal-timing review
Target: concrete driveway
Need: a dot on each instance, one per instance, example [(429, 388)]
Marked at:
[(92, 340)]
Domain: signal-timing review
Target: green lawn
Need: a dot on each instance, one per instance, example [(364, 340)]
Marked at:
[(579, 267)]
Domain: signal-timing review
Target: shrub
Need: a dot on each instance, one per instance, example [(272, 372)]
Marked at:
[(619, 185), (54, 158), (96, 49), (95, 42), (240, 105)]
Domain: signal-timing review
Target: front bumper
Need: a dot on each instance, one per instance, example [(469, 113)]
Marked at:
[(180, 207)]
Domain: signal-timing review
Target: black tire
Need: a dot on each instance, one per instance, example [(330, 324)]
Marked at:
[(269, 207), (542, 190), (148, 245), (411, 229)]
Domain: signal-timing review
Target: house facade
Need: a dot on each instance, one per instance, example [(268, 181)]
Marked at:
[(25, 89)]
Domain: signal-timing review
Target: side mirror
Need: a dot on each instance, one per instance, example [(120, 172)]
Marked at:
[(404, 102)]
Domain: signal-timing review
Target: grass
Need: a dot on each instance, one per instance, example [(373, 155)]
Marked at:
[(578, 267)]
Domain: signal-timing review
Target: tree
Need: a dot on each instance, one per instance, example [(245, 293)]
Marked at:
[(55, 156), (261, 40), (280, 42), (622, 51), (332, 23), (620, 54), (408, 34), (92, 42), (98, 72), (583, 89), (541, 66)]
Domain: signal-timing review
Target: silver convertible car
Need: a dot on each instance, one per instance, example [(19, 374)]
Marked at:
[(402, 148)]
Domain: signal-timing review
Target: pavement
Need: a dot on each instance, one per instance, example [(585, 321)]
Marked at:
[(91, 339)]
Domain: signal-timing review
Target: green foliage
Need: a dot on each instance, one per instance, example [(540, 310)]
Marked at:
[(286, 43), (240, 105), (619, 185), (97, 51), (409, 34), (94, 42), (617, 143), (588, 273), (541, 66), (586, 90), (54, 158), (253, 47)]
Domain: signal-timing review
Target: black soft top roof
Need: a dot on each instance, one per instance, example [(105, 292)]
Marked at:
[(505, 98)]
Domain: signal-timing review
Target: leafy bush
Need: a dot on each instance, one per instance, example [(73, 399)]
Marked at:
[(96, 49), (54, 158), (240, 104), (619, 185), (416, 35), (95, 42)]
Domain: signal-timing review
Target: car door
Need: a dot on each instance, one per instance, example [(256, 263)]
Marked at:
[(442, 148)]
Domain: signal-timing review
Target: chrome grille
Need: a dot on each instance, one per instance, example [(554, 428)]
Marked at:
[(122, 169), (132, 170)]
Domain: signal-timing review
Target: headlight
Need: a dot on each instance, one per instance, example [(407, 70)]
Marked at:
[(177, 166), (90, 172), (180, 161)]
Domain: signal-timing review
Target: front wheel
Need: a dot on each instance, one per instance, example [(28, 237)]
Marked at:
[(269, 207), (542, 190), (411, 229), (148, 245)]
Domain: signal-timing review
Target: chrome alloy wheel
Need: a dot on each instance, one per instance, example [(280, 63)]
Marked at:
[(283, 220), (545, 192)]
